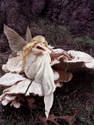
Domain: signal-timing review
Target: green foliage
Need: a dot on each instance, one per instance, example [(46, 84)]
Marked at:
[(84, 40)]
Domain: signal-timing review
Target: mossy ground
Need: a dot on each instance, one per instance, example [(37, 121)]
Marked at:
[(77, 94)]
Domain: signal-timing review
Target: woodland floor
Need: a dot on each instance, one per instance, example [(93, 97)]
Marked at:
[(77, 94)]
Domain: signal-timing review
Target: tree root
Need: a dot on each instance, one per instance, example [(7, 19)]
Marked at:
[(52, 118)]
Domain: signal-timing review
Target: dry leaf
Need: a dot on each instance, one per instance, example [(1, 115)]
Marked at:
[(14, 64), (10, 79), (18, 88), (82, 57)]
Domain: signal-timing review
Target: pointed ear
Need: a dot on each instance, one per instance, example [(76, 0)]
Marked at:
[(16, 42), (28, 35)]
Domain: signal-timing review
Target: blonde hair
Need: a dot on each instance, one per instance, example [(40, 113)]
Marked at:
[(31, 44)]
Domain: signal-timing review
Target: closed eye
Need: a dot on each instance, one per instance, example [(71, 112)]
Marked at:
[(39, 47)]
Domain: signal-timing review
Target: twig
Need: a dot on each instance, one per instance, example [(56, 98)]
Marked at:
[(28, 87), (69, 119)]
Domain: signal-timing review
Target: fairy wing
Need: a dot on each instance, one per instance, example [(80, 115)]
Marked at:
[(28, 35), (16, 42)]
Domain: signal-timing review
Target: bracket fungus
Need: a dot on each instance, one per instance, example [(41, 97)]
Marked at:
[(37, 68)]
